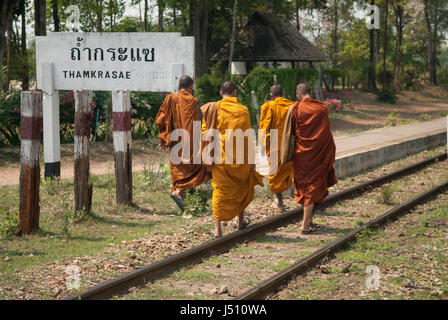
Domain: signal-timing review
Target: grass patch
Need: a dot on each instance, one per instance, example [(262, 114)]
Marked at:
[(195, 275)]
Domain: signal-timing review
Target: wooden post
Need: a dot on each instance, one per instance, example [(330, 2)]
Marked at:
[(121, 107), (83, 119), (30, 129)]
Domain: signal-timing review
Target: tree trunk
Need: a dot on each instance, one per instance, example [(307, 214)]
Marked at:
[(334, 37), (99, 16), (435, 41), (385, 43), (399, 26), (199, 29), (8, 55), (25, 71), (371, 75), (40, 16), (298, 15), (232, 45), (56, 19), (146, 16), (431, 44), (161, 9)]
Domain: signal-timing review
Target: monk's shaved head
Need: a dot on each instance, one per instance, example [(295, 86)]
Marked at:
[(303, 89), (228, 88), (185, 82), (276, 91)]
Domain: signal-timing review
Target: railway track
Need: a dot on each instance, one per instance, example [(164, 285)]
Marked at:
[(192, 256)]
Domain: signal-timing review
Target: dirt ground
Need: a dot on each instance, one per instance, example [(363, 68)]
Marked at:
[(368, 113)]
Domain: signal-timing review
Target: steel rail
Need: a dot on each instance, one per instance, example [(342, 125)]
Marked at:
[(158, 269), (270, 285)]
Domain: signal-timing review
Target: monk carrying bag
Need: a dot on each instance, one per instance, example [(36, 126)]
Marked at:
[(288, 140)]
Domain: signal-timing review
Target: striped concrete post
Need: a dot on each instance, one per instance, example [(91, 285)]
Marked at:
[(30, 129), (121, 108), (83, 118)]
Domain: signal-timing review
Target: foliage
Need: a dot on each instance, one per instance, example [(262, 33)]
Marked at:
[(196, 202), (208, 85), (332, 75), (261, 79), (10, 227), (392, 119), (442, 77), (157, 176), (337, 101), (289, 78), (10, 117), (386, 95), (386, 195), (425, 117)]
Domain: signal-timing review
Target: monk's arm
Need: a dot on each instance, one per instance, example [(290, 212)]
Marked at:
[(162, 119), (265, 126)]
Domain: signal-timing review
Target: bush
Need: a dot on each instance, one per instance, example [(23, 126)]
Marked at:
[(10, 117), (209, 85), (261, 79), (332, 75), (442, 77), (387, 95), (10, 227), (196, 202)]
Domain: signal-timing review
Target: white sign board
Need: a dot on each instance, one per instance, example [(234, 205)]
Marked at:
[(113, 61)]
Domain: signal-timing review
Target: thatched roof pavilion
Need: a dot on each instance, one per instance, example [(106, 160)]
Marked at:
[(268, 37)]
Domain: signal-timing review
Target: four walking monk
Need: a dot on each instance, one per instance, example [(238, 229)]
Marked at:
[(227, 150), (273, 117), (179, 111)]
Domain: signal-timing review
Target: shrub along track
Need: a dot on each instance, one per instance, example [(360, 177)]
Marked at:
[(157, 270)]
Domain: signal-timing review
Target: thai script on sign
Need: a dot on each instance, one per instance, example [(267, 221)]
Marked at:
[(122, 54)]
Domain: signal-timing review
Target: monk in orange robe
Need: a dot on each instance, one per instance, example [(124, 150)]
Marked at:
[(233, 182), (179, 111), (273, 117), (314, 153)]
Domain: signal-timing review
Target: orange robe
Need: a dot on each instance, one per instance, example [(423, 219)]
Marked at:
[(273, 116), (178, 111), (233, 184), (314, 153)]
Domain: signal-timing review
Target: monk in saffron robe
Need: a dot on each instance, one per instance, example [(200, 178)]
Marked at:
[(273, 117), (233, 183), (179, 111), (314, 153)]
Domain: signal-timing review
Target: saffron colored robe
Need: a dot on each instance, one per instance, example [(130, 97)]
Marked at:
[(273, 116), (233, 184), (178, 111), (314, 152)]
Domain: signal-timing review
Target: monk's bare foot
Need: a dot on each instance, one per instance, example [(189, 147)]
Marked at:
[(280, 205), (217, 232), (243, 222)]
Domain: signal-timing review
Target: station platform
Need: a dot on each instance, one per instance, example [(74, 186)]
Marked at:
[(371, 148)]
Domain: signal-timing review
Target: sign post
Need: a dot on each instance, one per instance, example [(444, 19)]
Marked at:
[(83, 120), (52, 151), (121, 115), (30, 129)]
